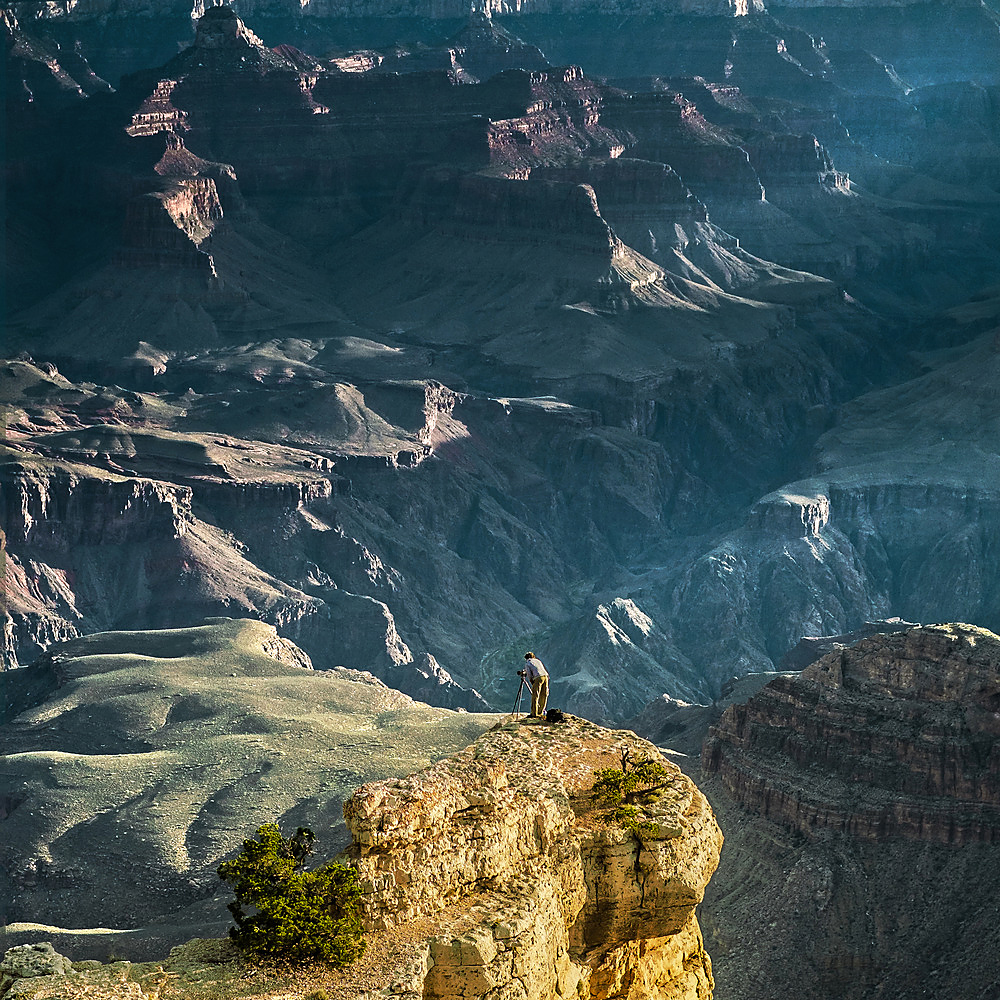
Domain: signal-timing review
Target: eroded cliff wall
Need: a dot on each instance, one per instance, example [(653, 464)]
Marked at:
[(903, 729), (861, 800), (496, 868)]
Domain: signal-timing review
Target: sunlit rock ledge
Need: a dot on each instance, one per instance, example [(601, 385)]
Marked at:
[(503, 879)]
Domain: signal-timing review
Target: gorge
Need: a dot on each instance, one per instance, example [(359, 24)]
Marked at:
[(653, 338), (432, 324)]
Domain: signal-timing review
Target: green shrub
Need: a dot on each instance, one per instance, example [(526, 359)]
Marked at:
[(627, 789), (631, 818), (283, 911)]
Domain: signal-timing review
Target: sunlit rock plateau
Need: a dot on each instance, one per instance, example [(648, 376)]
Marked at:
[(493, 873), (525, 887)]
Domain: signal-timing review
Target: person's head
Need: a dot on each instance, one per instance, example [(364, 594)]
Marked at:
[(529, 656)]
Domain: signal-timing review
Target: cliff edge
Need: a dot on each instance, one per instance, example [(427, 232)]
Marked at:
[(489, 875), (493, 875)]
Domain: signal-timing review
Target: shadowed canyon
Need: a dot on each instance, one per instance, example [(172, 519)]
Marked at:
[(358, 348)]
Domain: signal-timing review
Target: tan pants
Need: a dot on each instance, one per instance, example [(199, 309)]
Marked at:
[(539, 696)]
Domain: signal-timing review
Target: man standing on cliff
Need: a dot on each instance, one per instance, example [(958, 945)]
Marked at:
[(537, 676)]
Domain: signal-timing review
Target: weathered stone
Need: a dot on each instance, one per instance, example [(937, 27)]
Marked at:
[(28, 961), (893, 737), (555, 902)]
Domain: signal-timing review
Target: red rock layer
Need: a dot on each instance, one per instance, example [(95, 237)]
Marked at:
[(894, 737)]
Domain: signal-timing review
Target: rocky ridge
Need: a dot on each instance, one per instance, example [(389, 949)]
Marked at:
[(897, 734), (552, 902)]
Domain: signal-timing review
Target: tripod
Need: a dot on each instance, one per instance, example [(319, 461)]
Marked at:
[(517, 701)]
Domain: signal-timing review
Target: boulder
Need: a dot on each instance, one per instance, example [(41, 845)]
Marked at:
[(28, 961)]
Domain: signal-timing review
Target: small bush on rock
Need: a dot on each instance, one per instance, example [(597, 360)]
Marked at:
[(627, 789), (287, 913)]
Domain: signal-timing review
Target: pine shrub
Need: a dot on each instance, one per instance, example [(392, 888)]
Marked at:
[(626, 790), (284, 912)]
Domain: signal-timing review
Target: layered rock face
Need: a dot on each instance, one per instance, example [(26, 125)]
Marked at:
[(500, 851), (72, 510), (861, 798), (893, 737)]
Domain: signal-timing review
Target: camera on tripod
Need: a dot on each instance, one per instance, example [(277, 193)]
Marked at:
[(521, 673)]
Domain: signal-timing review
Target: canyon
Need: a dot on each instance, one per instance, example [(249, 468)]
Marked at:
[(860, 795), (447, 367), (652, 340)]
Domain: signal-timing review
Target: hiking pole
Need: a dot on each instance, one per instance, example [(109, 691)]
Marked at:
[(517, 701)]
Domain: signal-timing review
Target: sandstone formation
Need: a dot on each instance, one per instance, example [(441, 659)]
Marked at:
[(861, 801), (143, 758), (893, 737), (488, 873), (499, 850)]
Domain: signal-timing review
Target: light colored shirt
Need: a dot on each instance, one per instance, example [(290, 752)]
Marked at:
[(534, 668)]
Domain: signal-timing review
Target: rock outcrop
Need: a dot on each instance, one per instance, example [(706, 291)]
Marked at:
[(810, 648), (896, 736), (29, 961), (498, 854), (861, 803), (489, 873)]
